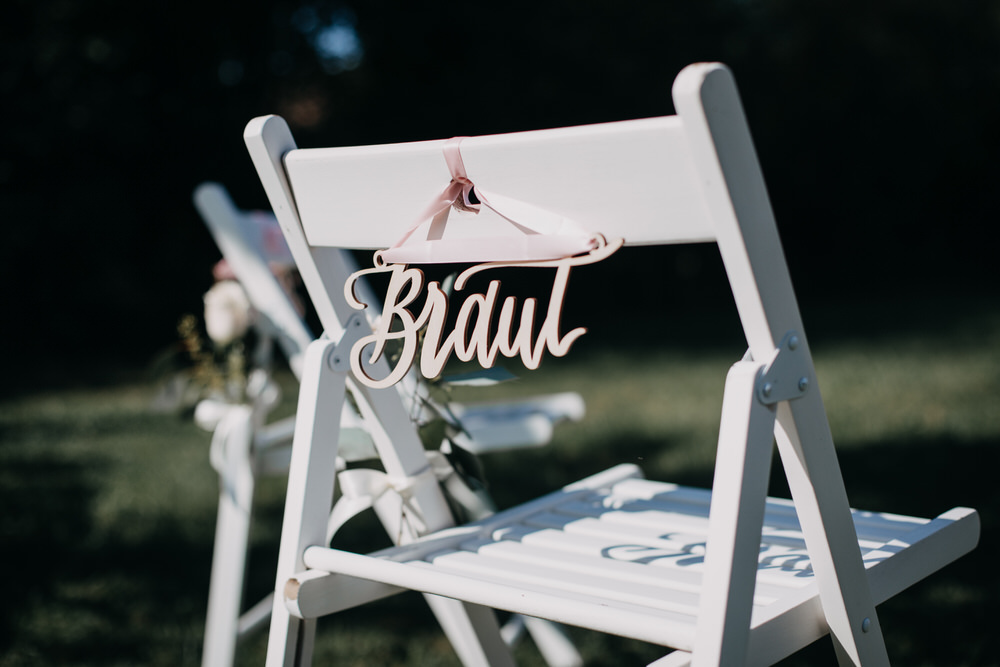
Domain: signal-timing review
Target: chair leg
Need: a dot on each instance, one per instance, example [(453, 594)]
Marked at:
[(817, 487), (311, 479), (473, 632), (232, 533), (739, 497), (550, 638), (552, 643)]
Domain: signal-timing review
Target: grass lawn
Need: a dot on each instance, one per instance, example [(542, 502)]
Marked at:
[(107, 508)]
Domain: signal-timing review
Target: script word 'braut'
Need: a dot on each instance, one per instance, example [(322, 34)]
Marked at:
[(470, 338)]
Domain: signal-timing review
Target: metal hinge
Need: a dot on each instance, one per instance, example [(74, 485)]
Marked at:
[(789, 374), (340, 356)]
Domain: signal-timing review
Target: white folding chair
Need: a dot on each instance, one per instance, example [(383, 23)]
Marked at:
[(245, 445), (727, 576)]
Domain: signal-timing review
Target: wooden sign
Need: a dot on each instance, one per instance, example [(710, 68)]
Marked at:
[(473, 335)]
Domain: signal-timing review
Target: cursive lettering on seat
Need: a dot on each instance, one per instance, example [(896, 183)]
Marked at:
[(470, 338)]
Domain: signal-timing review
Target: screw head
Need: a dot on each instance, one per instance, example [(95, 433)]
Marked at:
[(803, 383), (767, 389), (793, 342), (866, 625)]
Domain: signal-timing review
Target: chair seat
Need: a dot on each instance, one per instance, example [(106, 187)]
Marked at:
[(622, 554)]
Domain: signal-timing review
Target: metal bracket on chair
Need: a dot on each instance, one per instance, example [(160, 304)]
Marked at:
[(340, 356), (789, 374)]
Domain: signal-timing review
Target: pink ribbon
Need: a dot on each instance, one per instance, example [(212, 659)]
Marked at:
[(465, 199), (535, 243)]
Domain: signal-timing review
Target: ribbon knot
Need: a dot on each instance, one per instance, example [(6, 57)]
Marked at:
[(461, 191), (544, 235)]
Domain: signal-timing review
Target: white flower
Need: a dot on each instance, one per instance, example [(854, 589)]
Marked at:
[(228, 313)]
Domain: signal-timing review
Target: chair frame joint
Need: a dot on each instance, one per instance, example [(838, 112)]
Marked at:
[(355, 328), (789, 374)]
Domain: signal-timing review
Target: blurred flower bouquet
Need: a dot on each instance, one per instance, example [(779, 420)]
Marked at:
[(221, 355), (220, 367)]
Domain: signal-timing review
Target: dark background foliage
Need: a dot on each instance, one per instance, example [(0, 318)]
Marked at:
[(875, 124)]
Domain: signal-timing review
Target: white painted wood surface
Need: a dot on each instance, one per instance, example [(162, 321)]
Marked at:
[(742, 471), (734, 577)]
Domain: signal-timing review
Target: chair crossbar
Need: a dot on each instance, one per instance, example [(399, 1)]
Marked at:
[(658, 626)]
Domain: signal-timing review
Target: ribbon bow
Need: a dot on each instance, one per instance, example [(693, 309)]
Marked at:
[(461, 192), (544, 235)]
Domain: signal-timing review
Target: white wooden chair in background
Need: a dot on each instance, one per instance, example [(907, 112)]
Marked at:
[(614, 552), (245, 445)]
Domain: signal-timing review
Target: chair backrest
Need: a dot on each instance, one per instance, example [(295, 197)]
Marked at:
[(643, 167), (686, 178), (238, 234)]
